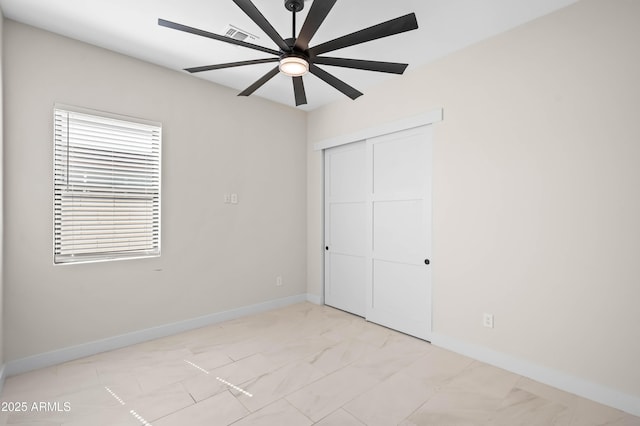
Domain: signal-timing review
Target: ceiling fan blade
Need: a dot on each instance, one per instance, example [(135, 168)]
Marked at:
[(231, 65), (255, 86), (385, 29), (298, 90), (252, 12), (191, 30), (335, 82), (390, 67), (316, 16)]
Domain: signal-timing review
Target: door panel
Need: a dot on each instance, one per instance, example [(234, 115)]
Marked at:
[(346, 172), (398, 289), (398, 163), (346, 283), (400, 281), (345, 229), (348, 230), (398, 229)]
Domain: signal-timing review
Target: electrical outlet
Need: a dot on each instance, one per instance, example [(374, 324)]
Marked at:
[(279, 281), (487, 320), (234, 198), (227, 198)]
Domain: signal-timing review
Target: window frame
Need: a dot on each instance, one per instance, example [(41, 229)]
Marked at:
[(117, 190)]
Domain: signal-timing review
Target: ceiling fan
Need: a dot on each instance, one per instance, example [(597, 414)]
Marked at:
[(296, 58)]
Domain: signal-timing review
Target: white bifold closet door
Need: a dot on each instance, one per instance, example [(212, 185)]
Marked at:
[(378, 230)]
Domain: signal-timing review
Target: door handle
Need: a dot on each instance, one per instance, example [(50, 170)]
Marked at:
[(427, 261)]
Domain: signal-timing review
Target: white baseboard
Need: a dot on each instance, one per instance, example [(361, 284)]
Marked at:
[(548, 376), (59, 356), (315, 299)]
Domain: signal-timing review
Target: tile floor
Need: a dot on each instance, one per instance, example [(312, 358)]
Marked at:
[(300, 365)]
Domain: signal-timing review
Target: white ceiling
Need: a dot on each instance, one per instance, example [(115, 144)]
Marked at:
[(130, 27)]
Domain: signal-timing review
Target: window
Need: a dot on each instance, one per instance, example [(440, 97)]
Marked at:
[(106, 186)]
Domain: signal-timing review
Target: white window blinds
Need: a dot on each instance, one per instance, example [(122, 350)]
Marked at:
[(106, 187)]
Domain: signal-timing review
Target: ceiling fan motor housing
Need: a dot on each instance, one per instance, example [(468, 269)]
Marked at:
[(294, 5)]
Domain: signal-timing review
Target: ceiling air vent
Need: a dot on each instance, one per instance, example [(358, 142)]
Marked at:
[(234, 32)]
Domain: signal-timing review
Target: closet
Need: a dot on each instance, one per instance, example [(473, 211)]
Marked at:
[(378, 229)]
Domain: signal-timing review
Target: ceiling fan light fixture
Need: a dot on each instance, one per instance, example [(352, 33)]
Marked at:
[(294, 66)]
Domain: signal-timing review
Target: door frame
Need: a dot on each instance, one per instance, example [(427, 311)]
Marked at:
[(432, 117)]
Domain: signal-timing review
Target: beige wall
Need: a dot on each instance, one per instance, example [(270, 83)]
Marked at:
[(536, 182), (215, 256)]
